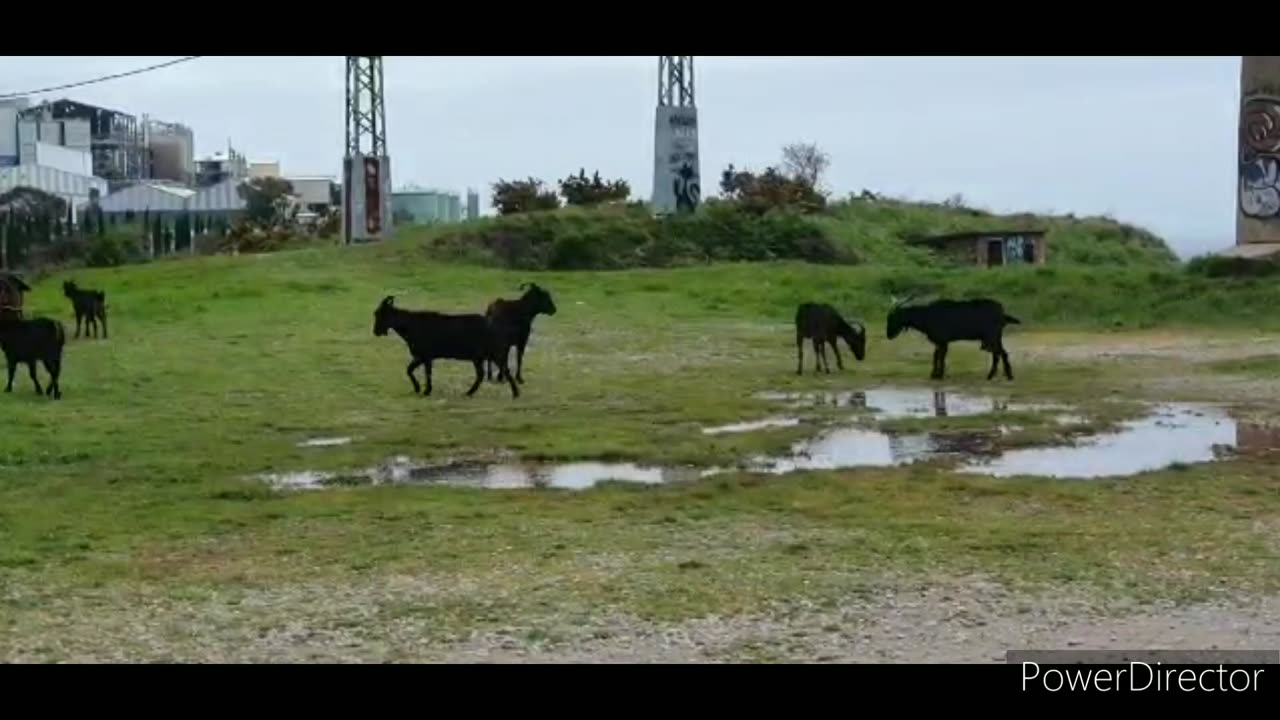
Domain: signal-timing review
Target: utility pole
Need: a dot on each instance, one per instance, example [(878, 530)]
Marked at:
[(366, 167), (677, 185)]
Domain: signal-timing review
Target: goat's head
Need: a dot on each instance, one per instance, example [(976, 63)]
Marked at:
[(538, 299), (897, 320), (381, 316), (69, 288), (855, 334)]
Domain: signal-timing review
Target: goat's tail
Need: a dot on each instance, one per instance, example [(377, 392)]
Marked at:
[(1011, 320)]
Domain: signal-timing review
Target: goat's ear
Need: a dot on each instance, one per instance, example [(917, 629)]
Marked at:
[(524, 286), (388, 300)]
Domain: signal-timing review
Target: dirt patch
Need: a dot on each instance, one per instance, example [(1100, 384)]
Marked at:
[(395, 619)]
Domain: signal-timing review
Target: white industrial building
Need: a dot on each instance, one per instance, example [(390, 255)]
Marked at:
[(221, 199), (71, 187), (148, 197)]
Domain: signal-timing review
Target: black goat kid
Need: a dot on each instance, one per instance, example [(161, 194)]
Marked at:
[(514, 320), (89, 305), (30, 341), (432, 335), (822, 324), (947, 321)]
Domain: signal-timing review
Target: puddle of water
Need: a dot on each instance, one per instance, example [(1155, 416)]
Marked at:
[(752, 425), (896, 403), (569, 476), (325, 442), (1171, 434), (845, 448)]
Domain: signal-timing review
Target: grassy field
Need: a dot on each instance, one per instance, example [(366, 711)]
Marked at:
[(130, 527)]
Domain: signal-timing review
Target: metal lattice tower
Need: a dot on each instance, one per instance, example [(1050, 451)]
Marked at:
[(675, 80), (366, 116)]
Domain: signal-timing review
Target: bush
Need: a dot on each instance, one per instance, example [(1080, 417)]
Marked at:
[(623, 236), (1217, 266)]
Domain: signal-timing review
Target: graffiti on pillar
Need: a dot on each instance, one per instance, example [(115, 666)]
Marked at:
[(1260, 157), (677, 185)]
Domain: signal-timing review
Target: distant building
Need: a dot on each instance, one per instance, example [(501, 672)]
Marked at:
[(75, 188), (314, 192), (264, 168), (172, 149), (990, 249), (114, 139), (473, 204), (147, 197), (9, 110), (219, 167), (419, 206)]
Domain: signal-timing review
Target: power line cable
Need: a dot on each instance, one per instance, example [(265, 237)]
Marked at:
[(103, 78)]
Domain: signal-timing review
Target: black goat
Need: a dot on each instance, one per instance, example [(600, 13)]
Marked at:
[(28, 341), (514, 321), (946, 321), (89, 305), (822, 324), (433, 335)]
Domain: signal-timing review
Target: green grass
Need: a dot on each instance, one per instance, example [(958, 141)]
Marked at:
[(137, 483)]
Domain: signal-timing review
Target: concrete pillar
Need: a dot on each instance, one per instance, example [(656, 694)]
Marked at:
[(1258, 145)]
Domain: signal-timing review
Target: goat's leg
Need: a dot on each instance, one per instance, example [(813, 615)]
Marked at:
[(1004, 355), (79, 317), (479, 365), (995, 361), (835, 347), (103, 318), (427, 392), (506, 374), (13, 367), (409, 370), (799, 354), (55, 370), (92, 327), (31, 368), (520, 362), (939, 362)]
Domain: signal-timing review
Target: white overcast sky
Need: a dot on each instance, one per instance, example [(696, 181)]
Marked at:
[(1149, 140)]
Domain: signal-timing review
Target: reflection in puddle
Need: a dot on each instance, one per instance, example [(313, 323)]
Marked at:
[(853, 447), (895, 403), (325, 442), (570, 476), (752, 425), (1170, 435)]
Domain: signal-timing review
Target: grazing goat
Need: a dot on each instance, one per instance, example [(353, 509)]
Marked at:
[(90, 306), (514, 320), (822, 324), (946, 321), (28, 341), (433, 335)]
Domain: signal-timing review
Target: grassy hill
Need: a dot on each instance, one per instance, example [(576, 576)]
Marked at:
[(855, 231)]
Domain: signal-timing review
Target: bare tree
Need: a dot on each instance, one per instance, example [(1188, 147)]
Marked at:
[(805, 162)]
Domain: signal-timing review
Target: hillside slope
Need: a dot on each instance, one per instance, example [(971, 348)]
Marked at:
[(855, 231)]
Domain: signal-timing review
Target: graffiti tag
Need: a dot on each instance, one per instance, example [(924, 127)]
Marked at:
[(1260, 157)]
